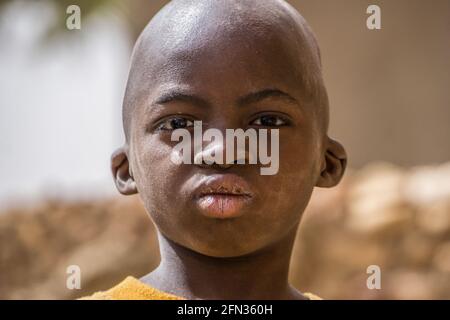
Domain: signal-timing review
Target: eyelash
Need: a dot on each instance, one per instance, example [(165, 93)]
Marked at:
[(280, 121), (167, 124)]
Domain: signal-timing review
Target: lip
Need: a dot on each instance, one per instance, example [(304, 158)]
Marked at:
[(223, 196)]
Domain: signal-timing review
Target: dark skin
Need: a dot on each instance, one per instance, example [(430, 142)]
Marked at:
[(231, 67)]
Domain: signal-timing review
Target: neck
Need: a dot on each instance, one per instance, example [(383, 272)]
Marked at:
[(260, 275)]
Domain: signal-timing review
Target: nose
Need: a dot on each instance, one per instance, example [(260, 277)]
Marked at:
[(215, 155)]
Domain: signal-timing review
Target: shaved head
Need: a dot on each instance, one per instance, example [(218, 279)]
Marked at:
[(229, 64), (186, 29)]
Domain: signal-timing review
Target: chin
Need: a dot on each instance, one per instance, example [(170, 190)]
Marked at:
[(228, 250)]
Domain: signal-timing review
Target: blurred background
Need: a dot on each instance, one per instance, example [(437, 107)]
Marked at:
[(60, 99)]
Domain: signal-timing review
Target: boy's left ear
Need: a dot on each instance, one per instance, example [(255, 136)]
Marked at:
[(333, 166), (120, 168)]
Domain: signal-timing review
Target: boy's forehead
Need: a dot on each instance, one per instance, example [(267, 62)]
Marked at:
[(235, 59)]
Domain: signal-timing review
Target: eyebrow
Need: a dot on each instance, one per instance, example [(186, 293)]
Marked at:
[(265, 94), (174, 96), (254, 97)]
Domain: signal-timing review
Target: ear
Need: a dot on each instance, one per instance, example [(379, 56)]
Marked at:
[(123, 177), (333, 164)]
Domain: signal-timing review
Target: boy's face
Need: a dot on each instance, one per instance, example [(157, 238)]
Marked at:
[(195, 82)]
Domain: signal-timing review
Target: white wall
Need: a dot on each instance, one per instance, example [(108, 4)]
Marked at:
[(59, 104)]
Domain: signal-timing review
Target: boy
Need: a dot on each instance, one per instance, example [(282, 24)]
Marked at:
[(225, 230)]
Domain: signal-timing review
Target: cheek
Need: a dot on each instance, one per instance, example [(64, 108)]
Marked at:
[(292, 186), (157, 178), (299, 154)]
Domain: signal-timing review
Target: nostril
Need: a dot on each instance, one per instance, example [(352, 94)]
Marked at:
[(223, 164), (215, 157)]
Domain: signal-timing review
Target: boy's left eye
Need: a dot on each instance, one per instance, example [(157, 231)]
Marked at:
[(269, 121)]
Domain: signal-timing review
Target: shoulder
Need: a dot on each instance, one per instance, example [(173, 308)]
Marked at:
[(100, 295), (131, 289), (311, 296)]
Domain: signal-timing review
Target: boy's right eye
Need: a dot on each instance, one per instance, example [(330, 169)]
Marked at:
[(175, 123)]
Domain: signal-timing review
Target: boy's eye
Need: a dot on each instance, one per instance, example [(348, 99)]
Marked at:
[(176, 123), (269, 121)]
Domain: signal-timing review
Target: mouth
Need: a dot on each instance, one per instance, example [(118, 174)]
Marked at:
[(223, 196)]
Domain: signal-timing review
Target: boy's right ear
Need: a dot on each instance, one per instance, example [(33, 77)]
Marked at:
[(121, 172)]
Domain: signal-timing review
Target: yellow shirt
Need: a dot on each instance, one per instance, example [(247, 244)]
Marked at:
[(133, 289)]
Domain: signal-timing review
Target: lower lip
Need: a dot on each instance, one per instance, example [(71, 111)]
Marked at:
[(222, 206)]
